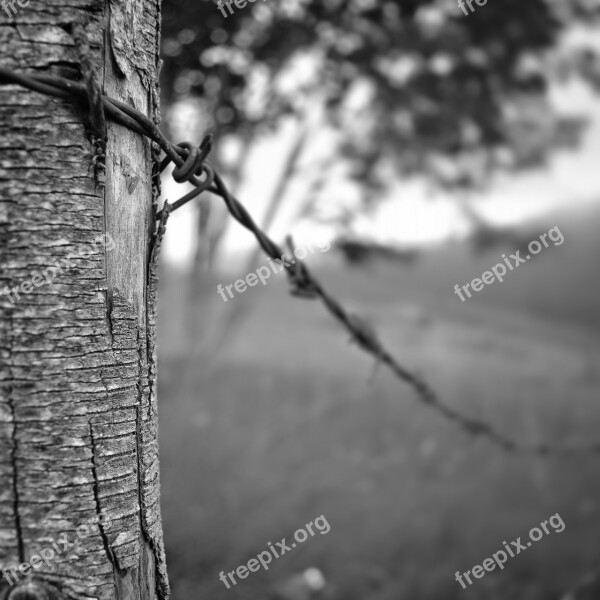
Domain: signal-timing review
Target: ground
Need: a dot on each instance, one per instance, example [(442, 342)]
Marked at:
[(289, 422)]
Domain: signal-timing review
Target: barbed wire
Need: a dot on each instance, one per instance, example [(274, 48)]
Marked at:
[(191, 165)]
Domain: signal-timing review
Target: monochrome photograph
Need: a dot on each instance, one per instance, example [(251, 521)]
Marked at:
[(299, 299)]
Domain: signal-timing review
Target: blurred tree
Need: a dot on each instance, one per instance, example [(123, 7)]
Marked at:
[(407, 86), (436, 83)]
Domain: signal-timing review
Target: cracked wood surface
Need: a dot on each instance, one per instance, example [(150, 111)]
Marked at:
[(78, 413)]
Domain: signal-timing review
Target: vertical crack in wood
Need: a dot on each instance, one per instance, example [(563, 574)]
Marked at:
[(14, 443), (105, 542), (151, 515), (108, 319), (15, 478)]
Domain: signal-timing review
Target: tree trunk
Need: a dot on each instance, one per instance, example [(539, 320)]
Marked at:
[(212, 219), (222, 332), (79, 477)]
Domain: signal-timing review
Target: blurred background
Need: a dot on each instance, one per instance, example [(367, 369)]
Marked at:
[(421, 144)]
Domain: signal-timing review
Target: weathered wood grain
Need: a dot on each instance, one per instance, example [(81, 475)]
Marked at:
[(78, 413)]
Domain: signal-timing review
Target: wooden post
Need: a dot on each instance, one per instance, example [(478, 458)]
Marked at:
[(79, 474)]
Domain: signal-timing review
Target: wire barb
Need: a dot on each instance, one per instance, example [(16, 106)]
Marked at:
[(190, 164)]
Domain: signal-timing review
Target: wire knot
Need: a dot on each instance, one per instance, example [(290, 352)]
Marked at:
[(194, 163)]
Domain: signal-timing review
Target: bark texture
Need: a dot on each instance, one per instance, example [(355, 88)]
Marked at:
[(78, 413)]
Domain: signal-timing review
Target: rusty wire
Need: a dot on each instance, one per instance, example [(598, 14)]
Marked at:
[(191, 165)]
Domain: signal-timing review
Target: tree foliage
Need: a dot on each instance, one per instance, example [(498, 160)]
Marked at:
[(412, 84)]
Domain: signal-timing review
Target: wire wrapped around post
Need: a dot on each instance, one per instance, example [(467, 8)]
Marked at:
[(191, 165)]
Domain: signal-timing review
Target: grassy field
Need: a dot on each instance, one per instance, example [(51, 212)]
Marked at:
[(288, 422)]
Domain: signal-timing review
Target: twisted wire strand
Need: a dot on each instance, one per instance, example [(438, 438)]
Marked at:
[(191, 165)]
